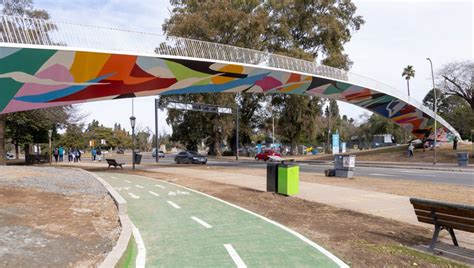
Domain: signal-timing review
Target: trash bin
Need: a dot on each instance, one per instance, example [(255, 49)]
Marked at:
[(288, 179), (138, 159), (272, 177), (344, 165), (463, 158)]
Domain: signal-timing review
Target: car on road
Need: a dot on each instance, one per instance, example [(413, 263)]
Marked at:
[(160, 153), (9, 156), (265, 155), (190, 157)]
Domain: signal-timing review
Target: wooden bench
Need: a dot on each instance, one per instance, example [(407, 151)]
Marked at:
[(113, 162), (443, 215)]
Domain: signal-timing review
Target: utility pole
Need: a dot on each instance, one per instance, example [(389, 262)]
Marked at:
[(237, 133), (435, 109), (157, 139)]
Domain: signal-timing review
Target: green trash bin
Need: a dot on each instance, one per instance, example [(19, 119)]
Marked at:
[(288, 179)]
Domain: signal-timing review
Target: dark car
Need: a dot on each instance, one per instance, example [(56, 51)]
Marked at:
[(190, 157)]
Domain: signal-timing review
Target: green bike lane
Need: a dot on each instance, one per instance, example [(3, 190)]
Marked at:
[(184, 228)]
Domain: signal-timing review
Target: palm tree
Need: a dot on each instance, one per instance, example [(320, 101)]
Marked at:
[(408, 72)]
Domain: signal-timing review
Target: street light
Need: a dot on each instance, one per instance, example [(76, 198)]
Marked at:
[(132, 123), (435, 109), (50, 134)]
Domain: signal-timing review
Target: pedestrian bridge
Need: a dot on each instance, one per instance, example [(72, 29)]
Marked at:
[(46, 63)]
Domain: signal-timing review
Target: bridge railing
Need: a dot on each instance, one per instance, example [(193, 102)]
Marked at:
[(51, 33)]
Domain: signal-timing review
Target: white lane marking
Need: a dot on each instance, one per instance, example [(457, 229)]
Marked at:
[(161, 186), (293, 232), (139, 186), (235, 257), (134, 196), (173, 204), (381, 174), (127, 181), (141, 256), (203, 223), (153, 193)]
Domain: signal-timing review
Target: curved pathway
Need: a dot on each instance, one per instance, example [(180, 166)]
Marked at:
[(184, 228)]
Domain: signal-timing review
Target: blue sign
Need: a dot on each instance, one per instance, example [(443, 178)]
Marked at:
[(335, 143)]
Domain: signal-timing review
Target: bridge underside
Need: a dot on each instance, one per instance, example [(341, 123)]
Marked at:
[(33, 78)]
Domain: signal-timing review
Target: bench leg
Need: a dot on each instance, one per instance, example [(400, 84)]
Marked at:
[(435, 237), (453, 237)]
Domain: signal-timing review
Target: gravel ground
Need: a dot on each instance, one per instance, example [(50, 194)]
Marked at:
[(54, 217), (62, 181)]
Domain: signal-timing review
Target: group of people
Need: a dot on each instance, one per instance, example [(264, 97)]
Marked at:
[(73, 155), (96, 154)]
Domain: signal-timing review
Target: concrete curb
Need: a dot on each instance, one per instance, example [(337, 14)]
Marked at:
[(119, 252)]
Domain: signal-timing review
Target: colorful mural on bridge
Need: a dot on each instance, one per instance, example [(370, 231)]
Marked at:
[(39, 78)]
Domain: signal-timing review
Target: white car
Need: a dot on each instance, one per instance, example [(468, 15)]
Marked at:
[(161, 154), (9, 156)]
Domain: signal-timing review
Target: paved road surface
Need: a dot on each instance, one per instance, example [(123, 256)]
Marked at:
[(437, 176), (183, 228)]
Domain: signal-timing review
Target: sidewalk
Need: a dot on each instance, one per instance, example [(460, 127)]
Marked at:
[(385, 205)]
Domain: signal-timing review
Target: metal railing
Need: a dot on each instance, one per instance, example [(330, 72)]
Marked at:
[(51, 33)]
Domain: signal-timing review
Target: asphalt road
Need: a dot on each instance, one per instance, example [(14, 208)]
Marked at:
[(436, 176)]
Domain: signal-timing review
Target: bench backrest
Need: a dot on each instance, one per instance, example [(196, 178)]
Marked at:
[(111, 161), (460, 217)]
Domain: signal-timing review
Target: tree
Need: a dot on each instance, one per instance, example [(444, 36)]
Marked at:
[(458, 80), (239, 23), (408, 73), (454, 109), (302, 113), (33, 126), (303, 29)]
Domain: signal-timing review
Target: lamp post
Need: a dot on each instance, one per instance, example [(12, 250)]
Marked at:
[(435, 109), (132, 123), (50, 134)]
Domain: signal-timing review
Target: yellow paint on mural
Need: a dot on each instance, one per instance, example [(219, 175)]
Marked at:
[(221, 79), (291, 87), (235, 69), (87, 65)]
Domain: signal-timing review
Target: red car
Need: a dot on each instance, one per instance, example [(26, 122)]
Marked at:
[(265, 154)]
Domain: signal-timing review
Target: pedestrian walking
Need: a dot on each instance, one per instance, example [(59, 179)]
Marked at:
[(75, 155), (99, 154), (94, 154), (61, 153), (455, 143), (56, 154), (410, 150)]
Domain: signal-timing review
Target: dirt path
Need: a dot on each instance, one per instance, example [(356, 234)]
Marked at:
[(54, 218)]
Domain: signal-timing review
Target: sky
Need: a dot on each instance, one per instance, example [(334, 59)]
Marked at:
[(396, 34)]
